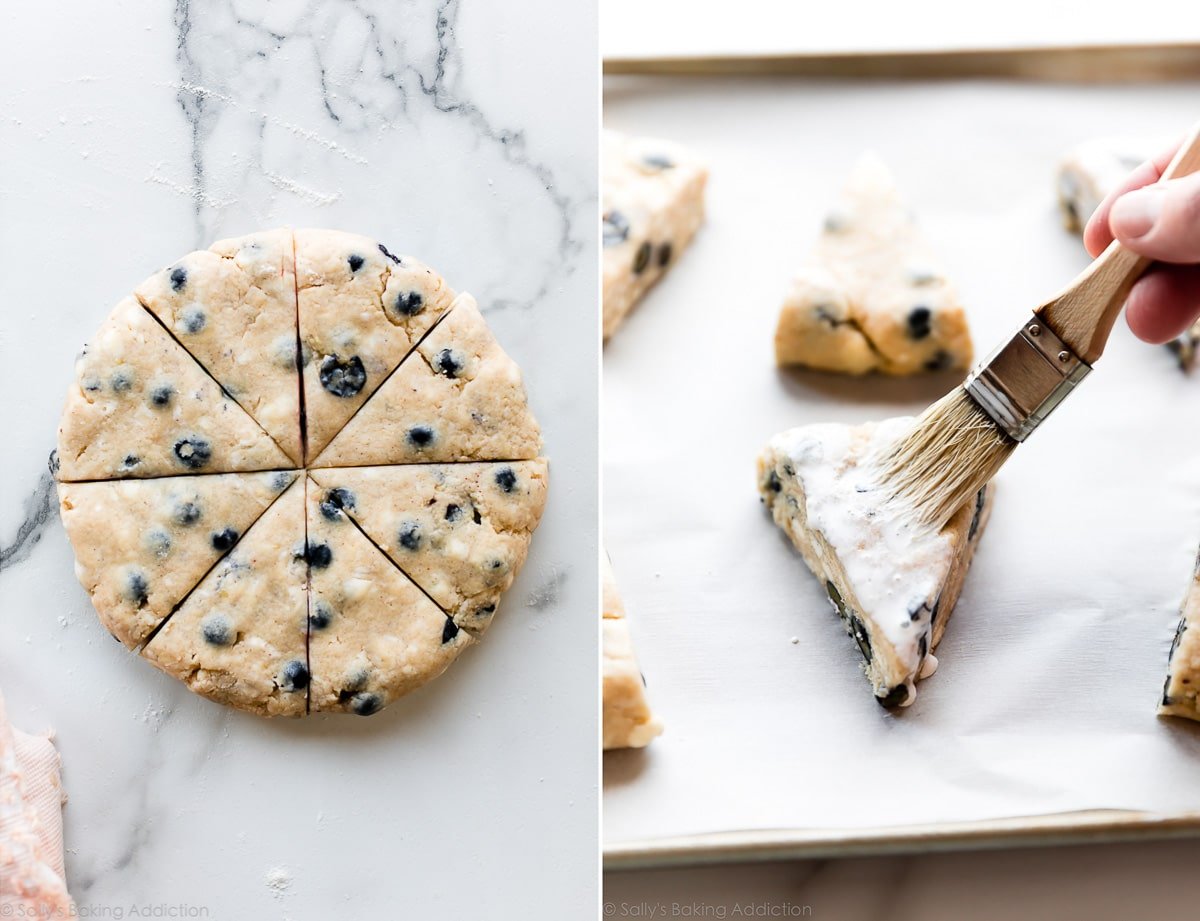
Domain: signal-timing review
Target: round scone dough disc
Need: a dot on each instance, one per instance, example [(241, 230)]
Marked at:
[(140, 406), (373, 635), (233, 306), (142, 545), (361, 309), (460, 531), (240, 637), (458, 397)]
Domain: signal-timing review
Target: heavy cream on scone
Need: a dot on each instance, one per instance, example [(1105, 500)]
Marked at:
[(373, 634), (142, 545), (628, 720), (457, 397), (1181, 692), (140, 406), (233, 307), (361, 308), (653, 204), (460, 531), (872, 297), (893, 581)]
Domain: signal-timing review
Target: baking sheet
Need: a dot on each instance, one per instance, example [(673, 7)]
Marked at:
[(1054, 660)]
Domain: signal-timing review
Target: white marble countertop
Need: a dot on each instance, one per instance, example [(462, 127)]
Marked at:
[(1097, 882), (461, 132)]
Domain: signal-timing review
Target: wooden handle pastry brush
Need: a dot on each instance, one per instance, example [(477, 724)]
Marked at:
[(959, 443)]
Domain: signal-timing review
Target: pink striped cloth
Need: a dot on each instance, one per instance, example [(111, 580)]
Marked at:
[(31, 832)]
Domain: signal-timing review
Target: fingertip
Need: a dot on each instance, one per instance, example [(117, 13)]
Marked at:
[(1164, 303)]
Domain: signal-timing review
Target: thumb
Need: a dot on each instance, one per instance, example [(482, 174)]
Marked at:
[(1161, 221)]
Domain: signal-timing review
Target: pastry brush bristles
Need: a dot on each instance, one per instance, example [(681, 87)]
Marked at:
[(949, 454)]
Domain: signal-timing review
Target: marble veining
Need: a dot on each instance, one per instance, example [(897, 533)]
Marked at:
[(460, 131)]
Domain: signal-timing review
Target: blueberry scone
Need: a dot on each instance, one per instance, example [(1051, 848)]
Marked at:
[(457, 397), (1181, 692), (459, 531), (653, 194), (140, 406), (141, 545), (233, 307), (872, 297), (1086, 175), (373, 635), (240, 636), (893, 582), (628, 721), (361, 309)]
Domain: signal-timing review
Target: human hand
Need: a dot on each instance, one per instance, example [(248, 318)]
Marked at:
[(1161, 222)]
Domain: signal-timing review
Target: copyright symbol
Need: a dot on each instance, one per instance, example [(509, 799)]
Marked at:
[(7, 909), (609, 909)]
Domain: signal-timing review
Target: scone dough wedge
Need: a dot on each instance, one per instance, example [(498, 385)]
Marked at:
[(457, 397), (1181, 692), (361, 309), (142, 545), (240, 637), (140, 406), (461, 532), (233, 306), (872, 297), (653, 193), (628, 721), (373, 635), (893, 582), (1086, 175)]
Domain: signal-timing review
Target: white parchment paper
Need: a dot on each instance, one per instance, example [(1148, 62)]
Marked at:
[(1052, 665)]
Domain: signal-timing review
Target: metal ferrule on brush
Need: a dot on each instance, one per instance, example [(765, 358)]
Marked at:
[(1023, 380)]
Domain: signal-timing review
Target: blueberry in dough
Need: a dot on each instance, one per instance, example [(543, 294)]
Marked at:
[(130, 461), (421, 436), (121, 381), (658, 161), (343, 378), (356, 262), (322, 615), (217, 630), (137, 588), (453, 512), (161, 396), (295, 676), (335, 501), (641, 259), (187, 513), (409, 303), (895, 697), (410, 535), (193, 452), (366, 704), (194, 320), (773, 482), (223, 540), (91, 384), (158, 542), (616, 228), (281, 481), (383, 249), (506, 479), (664, 254), (448, 363), (318, 555), (920, 323), (449, 631), (940, 361), (178, 278)]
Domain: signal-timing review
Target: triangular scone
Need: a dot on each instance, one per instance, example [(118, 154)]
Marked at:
[(140, 406), (653, 201), (361, 310), (233, 306), (458, 397), (240, 637), (373, 635), (871, 297), (460, 531), (893, 582), (1181, 692), (628, 722), (1086, 175), (141, 545)]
